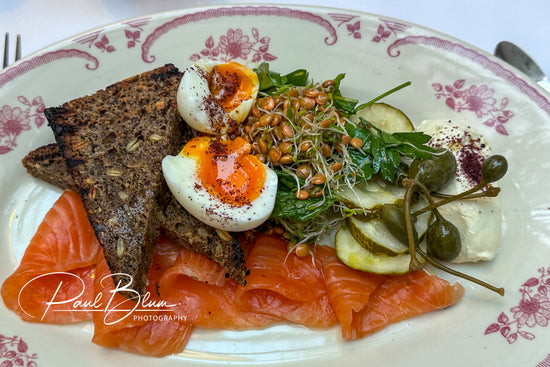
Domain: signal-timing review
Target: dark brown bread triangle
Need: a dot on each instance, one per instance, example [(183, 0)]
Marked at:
[(113, 143), (47, 164)]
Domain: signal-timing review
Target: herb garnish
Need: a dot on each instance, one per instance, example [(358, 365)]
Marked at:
[(381, 152), (304, 132)]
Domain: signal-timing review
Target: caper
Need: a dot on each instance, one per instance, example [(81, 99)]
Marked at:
[(434, 172), (393, 217), (494, 168), (443, 240)]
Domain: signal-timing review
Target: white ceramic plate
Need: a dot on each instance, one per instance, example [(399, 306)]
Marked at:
[(450, 79)]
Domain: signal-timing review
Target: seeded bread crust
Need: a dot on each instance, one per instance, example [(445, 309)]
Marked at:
[(113, 143), (187, 231), (47, 163)]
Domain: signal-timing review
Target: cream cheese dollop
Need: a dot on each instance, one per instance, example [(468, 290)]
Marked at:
[(479, 220)]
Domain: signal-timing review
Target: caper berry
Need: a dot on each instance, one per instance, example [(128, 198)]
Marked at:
[(434, 172), (393, 217), (494, 168), (443, 240)]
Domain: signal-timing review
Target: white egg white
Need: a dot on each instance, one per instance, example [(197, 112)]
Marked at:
[(479, 221), (199, 108), (180, 174)]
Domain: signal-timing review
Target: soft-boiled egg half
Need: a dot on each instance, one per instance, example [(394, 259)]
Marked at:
[(214, 98), (219, 182)]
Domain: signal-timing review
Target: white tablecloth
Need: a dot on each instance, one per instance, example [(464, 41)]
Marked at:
[(482, 23)]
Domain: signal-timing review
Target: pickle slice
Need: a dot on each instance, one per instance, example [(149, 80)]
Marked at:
[(351, 253), (369, 195), (385, 117), (374, 236)]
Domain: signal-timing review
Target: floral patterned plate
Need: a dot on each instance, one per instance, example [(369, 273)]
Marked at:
[(450, 79)]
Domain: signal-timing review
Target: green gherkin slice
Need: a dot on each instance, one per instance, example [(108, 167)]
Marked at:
[(351, 253), (385, 117), (375, 237), (369, 195)]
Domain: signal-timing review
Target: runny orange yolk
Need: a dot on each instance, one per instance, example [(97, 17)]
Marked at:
[(232, 83), (226, 169)]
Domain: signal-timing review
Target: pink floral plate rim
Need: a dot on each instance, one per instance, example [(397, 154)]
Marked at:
[(243, 45), (459, 95)]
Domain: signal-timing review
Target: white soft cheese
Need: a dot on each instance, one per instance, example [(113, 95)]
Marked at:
[(479, 221)]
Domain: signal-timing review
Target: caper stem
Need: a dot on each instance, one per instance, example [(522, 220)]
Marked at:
[(414, 263), (427, 195), (410, 184), (447, 200), (490, 192), (459, 274)]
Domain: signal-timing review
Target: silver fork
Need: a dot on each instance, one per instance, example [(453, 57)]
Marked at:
[(6, 61)]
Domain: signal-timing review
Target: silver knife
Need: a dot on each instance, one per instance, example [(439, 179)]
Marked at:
[(518, 58)]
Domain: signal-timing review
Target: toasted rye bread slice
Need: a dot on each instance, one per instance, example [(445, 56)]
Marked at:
[(113, 143), (47, 164)]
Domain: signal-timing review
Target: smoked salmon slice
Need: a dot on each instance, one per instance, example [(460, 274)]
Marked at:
[(146, 325), (57, 267), (406, 296), (280, 287), (366, 303), (201, 293), (349, 291), (285, 286)]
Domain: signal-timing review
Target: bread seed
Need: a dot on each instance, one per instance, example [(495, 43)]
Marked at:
[(224, 235), (132, 145), (133, 165), (155, 137), (113, 172), (81, 145), (92, 193), (112, 220), (161, 105), (120, 248)]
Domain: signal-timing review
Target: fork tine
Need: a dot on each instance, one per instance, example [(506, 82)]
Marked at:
[(6, 49), (18, 47), (6, 60)]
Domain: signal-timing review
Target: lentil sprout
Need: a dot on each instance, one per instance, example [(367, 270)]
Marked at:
[(301, 132)]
